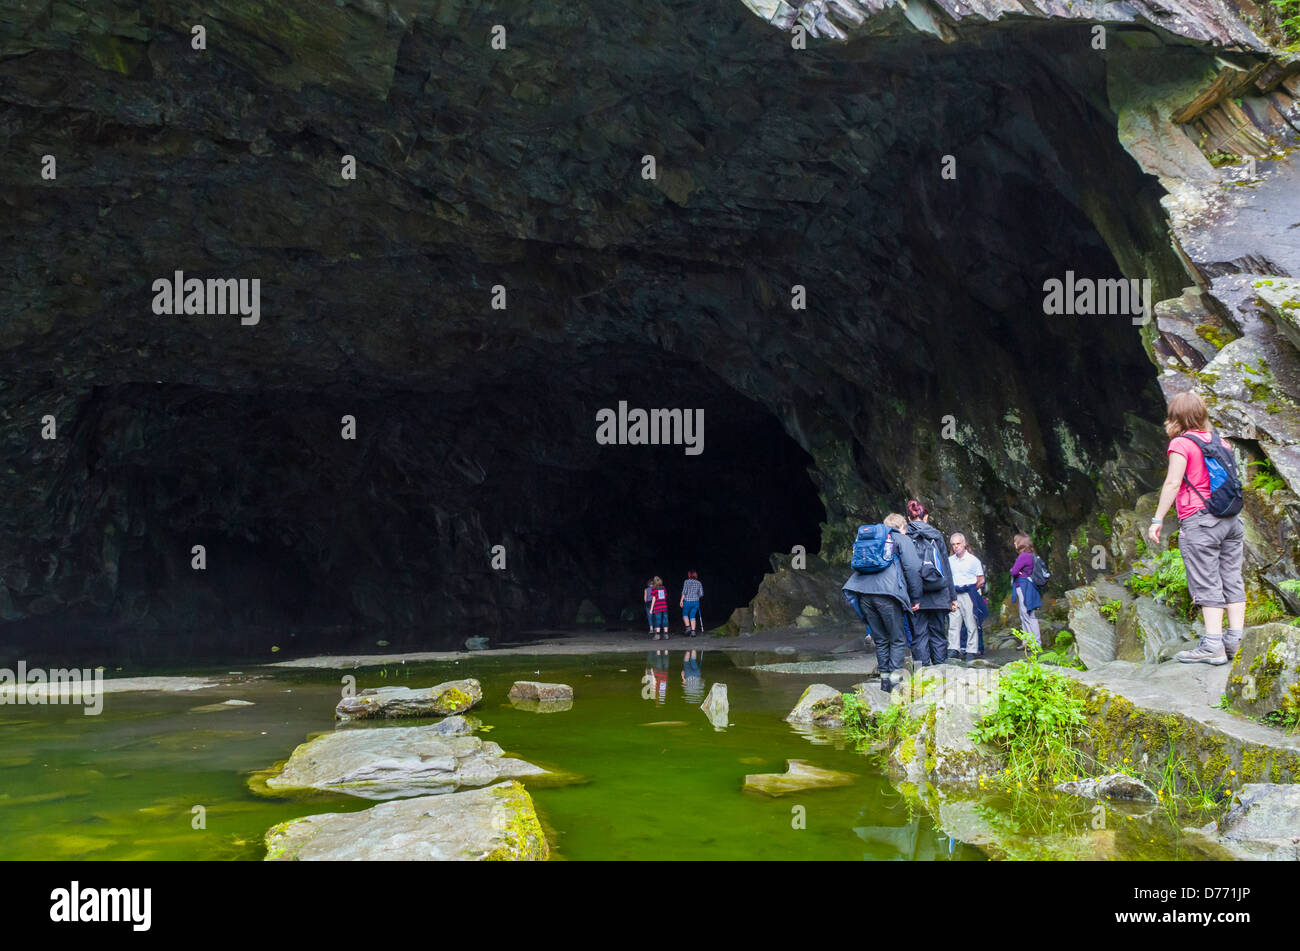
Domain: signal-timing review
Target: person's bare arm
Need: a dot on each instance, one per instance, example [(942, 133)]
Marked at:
[(1173, 479)]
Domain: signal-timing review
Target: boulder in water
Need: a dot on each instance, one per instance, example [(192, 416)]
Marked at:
[(455, 696), (798, 777), (496, 823), (716, 707), (534, 690), (397, 761), (821, 705)]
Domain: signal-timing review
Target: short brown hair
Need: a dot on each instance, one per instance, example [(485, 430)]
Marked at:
[(1023, 543), (1186, 411)]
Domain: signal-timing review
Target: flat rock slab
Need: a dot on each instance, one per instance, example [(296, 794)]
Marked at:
[(798, 777), (496, 823), (67, 690), (535, 690), (391, 703), (387, 762)]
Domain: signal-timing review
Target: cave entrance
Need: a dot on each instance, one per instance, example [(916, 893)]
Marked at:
[(314, 542)]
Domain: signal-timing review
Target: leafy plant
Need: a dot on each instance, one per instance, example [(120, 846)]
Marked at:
[(1034, 718), (1168, 583), (866, 728), (1266, 480), (1263, 611), (1110, 610), (1289, 17)]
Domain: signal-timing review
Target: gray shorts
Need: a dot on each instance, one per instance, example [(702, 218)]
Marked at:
[(1212, 549)]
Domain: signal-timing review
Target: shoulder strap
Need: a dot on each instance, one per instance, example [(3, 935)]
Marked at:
[(1201, 446)]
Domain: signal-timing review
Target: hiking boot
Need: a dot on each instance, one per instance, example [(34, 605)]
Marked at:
[(1230, 646), (1202, 653)]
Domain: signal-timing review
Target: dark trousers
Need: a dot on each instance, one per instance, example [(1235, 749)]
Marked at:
[(930, 643), (884, 615)]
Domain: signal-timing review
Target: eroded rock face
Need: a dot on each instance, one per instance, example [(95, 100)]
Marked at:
[(395, 703), (376, 303), (385, 763), (1213, 21), (497, 823)]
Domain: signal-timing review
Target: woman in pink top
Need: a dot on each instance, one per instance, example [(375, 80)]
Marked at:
[(1211, 546)]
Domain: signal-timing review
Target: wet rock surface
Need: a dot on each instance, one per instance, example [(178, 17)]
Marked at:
[(387, 762), (716, 706), (535, 690), (799, 776), (496, 823), (394, 703), (1114, 786)]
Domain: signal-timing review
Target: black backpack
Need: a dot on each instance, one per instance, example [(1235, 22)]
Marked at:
[(933, 577), (1225, 488), (1040, 575)]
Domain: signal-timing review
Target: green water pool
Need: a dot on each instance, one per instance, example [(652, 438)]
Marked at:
[(656, 779)]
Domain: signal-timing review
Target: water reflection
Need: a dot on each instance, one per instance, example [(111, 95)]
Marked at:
[(654, 685), (693, 687)]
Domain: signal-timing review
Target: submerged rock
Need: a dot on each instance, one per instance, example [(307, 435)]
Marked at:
[(534, 690), (1114, 786), (799, 776), (542, 706), (715, 706), (476, 643), (1265, 676), (1264, 823), (455, 696), (497, 823), (398, 761)]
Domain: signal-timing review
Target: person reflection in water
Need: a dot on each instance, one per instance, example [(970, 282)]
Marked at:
[(693, 676), (654, 685)]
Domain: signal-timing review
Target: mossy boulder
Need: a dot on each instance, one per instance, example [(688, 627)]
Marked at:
[(820, 705), (1265, 676), (454, 696), (944, 705), (492, 824)]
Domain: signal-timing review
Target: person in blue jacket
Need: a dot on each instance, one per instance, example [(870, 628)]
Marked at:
[(884, 598)]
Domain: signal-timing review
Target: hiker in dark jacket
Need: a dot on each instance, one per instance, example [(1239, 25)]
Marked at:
[(885, 597), (930, 624)]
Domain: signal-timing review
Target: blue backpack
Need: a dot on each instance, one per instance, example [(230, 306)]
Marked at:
[(874, 549), (1225, 488)]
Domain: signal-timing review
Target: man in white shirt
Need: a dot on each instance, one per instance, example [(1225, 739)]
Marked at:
[(967, 575)]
